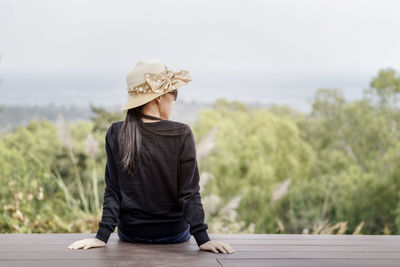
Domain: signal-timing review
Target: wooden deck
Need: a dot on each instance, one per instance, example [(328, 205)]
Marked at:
[(251, 250)]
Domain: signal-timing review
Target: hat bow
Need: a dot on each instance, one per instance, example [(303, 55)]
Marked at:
[(167, 80)]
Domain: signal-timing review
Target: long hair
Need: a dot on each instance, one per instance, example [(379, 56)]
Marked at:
[(130, 138)]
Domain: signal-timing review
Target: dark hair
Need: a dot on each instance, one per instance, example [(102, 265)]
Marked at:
[(130, 137)]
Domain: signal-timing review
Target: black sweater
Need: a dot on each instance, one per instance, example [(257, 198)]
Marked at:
[(163, 197)]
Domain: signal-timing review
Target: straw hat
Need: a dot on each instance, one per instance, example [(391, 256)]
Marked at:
[(151, 78)]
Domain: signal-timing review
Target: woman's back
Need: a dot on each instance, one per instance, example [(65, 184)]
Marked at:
[(162, 197)]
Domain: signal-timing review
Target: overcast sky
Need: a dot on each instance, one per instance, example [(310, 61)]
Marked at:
[(271, 51)]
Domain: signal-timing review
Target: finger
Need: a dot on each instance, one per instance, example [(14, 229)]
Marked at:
[(86, 247), (79, 244), (231, 250), (222, 249), (73, 245), (214, 250), (227, 248), (76, 244)]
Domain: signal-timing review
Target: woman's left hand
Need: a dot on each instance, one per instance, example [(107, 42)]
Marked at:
[(87, 243), (215, 245)]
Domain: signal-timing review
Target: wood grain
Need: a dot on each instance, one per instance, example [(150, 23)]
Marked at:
[(251, 250)]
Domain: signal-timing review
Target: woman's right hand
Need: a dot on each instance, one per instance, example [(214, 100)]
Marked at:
[(87, 243), (215, 245)]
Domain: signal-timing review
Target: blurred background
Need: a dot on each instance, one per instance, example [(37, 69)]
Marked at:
[(293, 104)]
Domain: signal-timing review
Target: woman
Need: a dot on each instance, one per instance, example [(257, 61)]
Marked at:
[(152, 178)]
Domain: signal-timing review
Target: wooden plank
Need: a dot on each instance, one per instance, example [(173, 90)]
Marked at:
[(112, 252), (316, 248), (349, 241), (309, 263), (305, 236), (178, 248), (312, 254), (107, 263)]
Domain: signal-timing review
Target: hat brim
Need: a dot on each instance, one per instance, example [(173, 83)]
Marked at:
[(138, 100)]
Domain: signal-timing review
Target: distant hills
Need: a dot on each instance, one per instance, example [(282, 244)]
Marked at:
[(12, 116)]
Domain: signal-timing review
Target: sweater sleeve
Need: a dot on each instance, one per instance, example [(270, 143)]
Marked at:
[(189, 190), (112, 195)]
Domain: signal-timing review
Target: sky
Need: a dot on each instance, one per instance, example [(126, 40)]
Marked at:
[(268, 51)]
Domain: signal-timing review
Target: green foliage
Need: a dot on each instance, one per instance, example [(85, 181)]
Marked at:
[(386, 86), (103, 118), (253, 150), (341, 161), (49, 175)]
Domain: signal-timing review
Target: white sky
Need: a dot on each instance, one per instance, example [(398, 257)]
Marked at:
[(265, 44)]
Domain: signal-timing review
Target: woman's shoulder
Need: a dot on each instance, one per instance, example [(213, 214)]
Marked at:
[(176, 123), (160, 124)]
